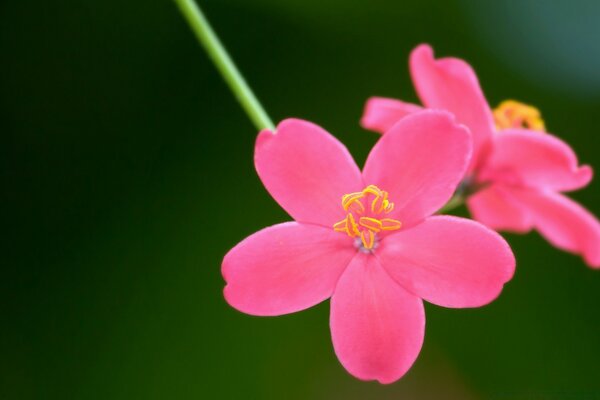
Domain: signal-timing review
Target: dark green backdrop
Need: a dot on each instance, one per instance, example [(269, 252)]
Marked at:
[(127, 173)]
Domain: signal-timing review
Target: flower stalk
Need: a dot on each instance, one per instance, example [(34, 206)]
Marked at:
[(219, 56)]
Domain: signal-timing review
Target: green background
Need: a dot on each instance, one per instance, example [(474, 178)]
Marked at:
[(126, 174)]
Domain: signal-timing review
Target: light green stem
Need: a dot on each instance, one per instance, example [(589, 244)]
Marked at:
[(224, 64)]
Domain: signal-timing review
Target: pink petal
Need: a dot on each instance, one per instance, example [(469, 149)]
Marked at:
[(449, 261), (419, 162), (306, 170), (563, 222), (451, 84), (377, 327), (537, 159), (381, 113), (285, 268), (497, 209)]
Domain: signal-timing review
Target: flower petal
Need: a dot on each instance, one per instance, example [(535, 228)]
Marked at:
[(382, 113), (419, 162), (285, 268), (306, 170), (449, 261), (377, 327), (498, 210), (537, 159), (451, 84), (563, 222)]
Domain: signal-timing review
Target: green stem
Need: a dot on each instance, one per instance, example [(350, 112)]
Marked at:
[(453, 203), (224, 64)]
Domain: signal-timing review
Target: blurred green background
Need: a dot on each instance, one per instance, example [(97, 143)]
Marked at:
[(127, 173)]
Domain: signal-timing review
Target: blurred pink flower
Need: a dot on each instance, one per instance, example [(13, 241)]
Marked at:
[(367, 240), (517, 171)]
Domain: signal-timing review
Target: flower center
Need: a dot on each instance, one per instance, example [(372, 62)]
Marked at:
[(365, 216), (513, 114)]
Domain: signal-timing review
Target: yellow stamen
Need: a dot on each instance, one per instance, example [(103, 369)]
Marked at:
[(347, 225), (367, 226), (353, 199), (388, 224), (380, 202), (372, 189), (368, 239), (341, 226), (514, 114), (389, 208), (372, 224), (353, 226)]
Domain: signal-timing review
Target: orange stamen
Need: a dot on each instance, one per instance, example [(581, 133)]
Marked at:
[(371, 224), (368, 239), (372, 189), (514, 114), (367, 226), (353, 200), (388, 224)]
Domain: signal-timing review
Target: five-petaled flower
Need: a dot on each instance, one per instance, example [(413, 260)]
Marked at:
[(517, 171), (367, 240)]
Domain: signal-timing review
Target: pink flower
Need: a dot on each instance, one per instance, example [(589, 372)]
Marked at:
[(367, 240), (517, 171)]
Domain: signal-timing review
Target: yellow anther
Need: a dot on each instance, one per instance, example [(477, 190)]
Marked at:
[(355, 204), (379, 202), (514, 114), (353, 228), (372, 189), (353, 200), (376, 204), (389, 208), (341, 225), (350, 196), (388, 224), (372, 224), (368, 239), (347, 225)]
